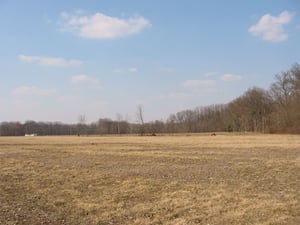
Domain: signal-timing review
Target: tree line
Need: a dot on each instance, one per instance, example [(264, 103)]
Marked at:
[(276, 110)]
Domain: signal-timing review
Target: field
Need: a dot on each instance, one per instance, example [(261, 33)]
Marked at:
[(179, 179)]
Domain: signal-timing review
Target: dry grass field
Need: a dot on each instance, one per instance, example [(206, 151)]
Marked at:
[(180, 179)]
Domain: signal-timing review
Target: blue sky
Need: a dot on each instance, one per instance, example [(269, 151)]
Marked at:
[(61, 59)]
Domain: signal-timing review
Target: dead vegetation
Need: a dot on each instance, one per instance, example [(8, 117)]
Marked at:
[(197, 179)]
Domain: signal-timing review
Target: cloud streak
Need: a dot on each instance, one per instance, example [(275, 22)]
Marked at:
[(128, 70), (101, 26), (198, 83), (85, 80), (271, 28), (231, 77), (132, 70), (27, 90), (211, 74), (49, 61)]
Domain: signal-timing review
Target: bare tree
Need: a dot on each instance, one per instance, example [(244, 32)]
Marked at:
[(140, 118), (286, 95), (81, 124), (119, 120)]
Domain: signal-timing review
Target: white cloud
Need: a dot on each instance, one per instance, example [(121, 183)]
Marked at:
[(271, 27), (84, 79), (211, 74), (132, 70), (26, 90), (49, 61), (231, 77), (81, 79), (101, 26), (198, 83)]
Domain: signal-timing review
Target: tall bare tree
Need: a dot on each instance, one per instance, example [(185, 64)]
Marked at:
[(140, 119), (286, 94), (81, 124), (119, 121)]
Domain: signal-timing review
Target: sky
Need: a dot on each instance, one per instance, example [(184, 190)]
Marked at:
[(101, 59)]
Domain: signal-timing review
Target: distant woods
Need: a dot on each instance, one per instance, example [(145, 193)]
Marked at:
[(276, 110)]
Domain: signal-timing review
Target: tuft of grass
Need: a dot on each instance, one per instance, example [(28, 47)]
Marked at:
[(176, 179)]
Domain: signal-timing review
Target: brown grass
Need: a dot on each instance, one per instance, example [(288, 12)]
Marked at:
[(197, 179)]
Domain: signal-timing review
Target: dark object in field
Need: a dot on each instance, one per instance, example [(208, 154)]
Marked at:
[(213, 134)]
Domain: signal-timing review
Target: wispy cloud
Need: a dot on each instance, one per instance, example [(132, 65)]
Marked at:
[(101, 26), (128, 70), (27, 90), (49, 61), (132, 70), (211, 74), (271, 28), (198, 83), (86, 80), (231, 77)]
